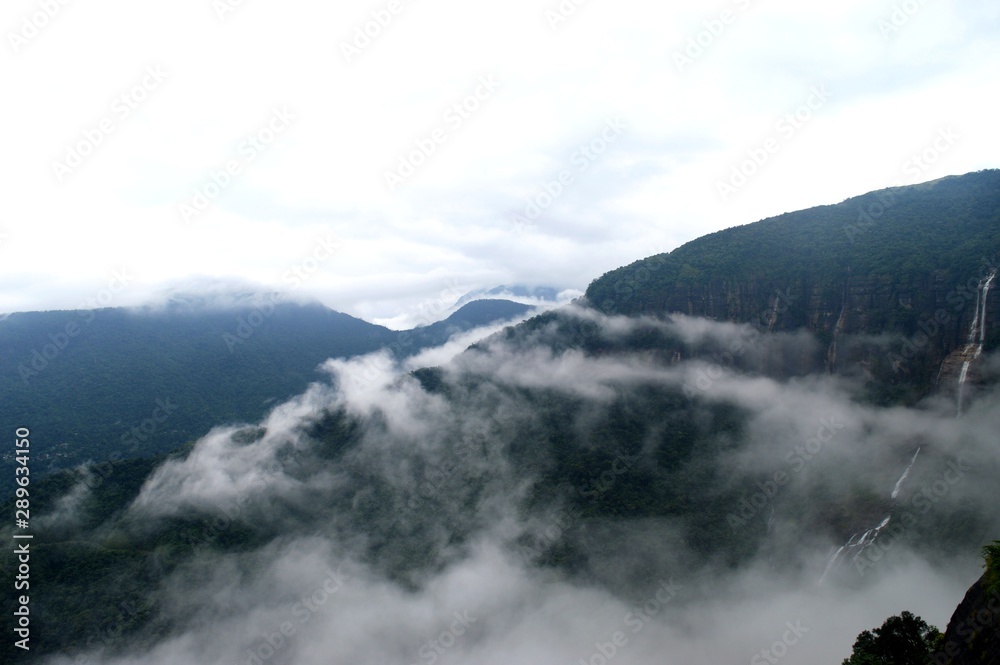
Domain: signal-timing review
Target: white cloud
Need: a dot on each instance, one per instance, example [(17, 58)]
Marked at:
[(655, 188), (322, 514)]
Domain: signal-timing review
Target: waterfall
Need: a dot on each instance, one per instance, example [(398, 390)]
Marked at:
[(830, 564), (975, 317), (856, 546), (899, 483), (866, 542), (853, 550), (961, 383), (981, 313), (977, 335)]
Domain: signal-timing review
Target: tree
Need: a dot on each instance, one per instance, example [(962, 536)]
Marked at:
[(991, 554), (901, 640)]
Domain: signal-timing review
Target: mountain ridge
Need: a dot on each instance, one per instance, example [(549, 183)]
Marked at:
[(890, 266), (615, 451), (56, 373)]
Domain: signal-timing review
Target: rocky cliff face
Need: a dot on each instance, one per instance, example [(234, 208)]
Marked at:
[(911, 327), (973, 635), (894, 297)]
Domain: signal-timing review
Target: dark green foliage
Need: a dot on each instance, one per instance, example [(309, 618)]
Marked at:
[(991, 554), (475, 314), (171, 374), (891, 261), (899, 234), (140, 383), (86, 589), (641, 451), (902, 640)]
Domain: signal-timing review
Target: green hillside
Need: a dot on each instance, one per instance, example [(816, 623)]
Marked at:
[(126, 383), (611, 451), (949, 225)]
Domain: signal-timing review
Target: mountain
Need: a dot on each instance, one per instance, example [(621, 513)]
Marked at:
[(656, 467), (481, 313), (973, 634), (908, 262), (475, 314), (93, 384), (517, 292)]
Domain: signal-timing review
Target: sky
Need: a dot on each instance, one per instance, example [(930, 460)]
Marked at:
[(382, 155)]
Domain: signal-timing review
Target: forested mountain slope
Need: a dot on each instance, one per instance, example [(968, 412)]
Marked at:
[(594, 453), (907, 262), (121, 382)]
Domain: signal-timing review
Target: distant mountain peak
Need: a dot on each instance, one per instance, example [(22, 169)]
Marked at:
[(208, 293), (529, 295)]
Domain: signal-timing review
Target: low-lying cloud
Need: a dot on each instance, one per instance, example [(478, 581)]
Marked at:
[(392, 513)]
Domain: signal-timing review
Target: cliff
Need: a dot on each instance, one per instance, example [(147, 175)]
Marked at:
[(889, 282), (973, 635)]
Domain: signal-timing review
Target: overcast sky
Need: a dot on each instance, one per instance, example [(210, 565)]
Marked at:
[(122, 119)]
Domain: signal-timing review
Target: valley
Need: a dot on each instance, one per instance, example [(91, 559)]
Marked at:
[(770, 412)]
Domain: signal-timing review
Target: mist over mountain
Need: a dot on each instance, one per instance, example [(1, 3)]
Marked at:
[(129, 382), (888, 283), (714, 457), (544, 294)]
